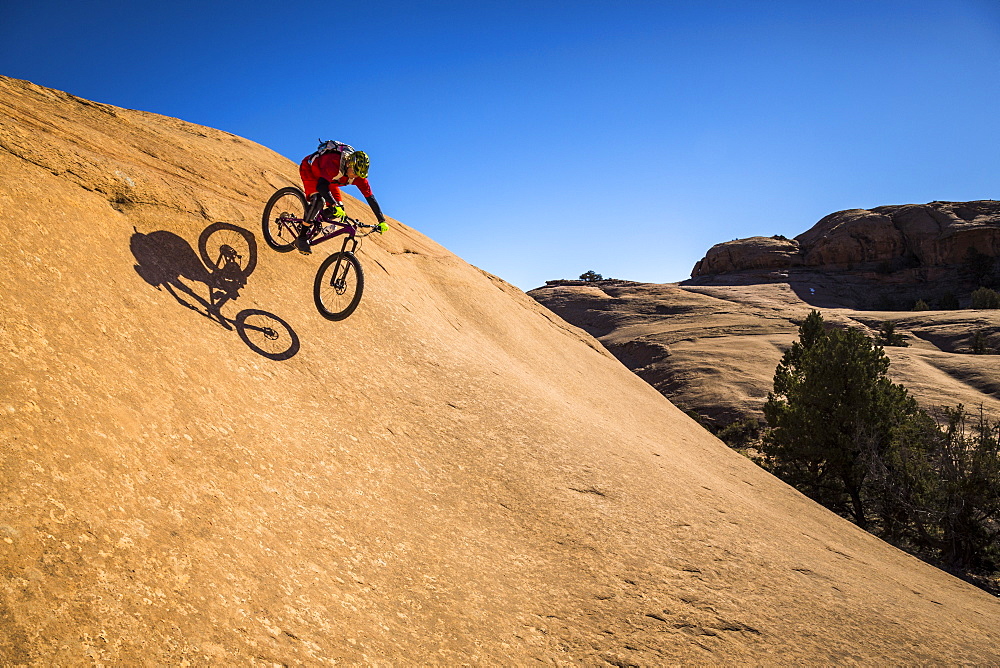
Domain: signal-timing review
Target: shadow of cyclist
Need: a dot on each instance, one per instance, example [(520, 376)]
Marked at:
[(228, 254), (163, 259)]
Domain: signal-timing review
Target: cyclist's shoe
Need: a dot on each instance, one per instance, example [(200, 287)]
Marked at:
[(381, 227), (302, 241)]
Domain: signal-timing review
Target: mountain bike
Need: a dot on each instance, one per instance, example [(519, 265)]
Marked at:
[(340, 279)]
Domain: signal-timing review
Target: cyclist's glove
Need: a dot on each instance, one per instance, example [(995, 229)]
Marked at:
[(335, 211), (382, 227)]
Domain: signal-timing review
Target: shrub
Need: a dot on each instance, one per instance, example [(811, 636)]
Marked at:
[(985, 298), (888, 336), (702, 420), (921, 305), (937, 491), (741, 433), (979, 344), (948, 301)]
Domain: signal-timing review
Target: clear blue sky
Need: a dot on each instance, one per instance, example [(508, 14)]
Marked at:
[(539, 140)]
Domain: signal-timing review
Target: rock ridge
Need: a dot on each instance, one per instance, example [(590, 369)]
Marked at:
[(886, 239)]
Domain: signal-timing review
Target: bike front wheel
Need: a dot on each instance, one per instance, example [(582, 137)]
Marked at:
[(338, 287), (283, 215)]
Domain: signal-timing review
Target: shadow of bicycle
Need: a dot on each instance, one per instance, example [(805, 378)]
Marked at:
[(227, 255)]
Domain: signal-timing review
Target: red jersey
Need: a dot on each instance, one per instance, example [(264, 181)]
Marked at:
[(327, 166)]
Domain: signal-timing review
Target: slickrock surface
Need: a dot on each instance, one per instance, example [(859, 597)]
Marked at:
[(713, 349), (451, 475)]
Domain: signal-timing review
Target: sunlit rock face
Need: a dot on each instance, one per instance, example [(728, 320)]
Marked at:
[(753, 253), (927, 236)]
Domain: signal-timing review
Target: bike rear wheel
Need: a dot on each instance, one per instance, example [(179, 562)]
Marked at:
[(338, 286), (282, 218), (224, 245)]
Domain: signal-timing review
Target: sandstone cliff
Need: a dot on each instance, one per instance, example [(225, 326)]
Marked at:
[(911, 251), (452, 475)]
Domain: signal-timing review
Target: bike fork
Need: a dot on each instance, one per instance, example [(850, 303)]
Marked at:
[(339, 275)]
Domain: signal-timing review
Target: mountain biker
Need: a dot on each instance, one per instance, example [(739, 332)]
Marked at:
[(333, 164)]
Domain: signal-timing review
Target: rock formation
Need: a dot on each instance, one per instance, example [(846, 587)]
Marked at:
[(197, 472), (912, 249)]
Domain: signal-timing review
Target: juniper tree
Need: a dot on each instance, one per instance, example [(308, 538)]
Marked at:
[(887, 335), (985, 298), (832, 403), (936, 491)]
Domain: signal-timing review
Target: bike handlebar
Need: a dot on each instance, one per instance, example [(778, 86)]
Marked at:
[(358, 224)]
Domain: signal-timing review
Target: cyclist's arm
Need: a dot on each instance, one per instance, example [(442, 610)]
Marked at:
[(373, 203), (366, 190)]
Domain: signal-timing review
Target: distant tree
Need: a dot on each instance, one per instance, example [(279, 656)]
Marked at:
[(986, 299), (980, 346), (832, 402), (889, 337), (978, 268), (591, 276), (921, 305), (948, 301)]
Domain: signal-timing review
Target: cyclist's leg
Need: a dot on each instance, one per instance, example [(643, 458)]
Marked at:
[(308, 178), (323, 188), (313, 205), (320, 196), (312, 187), (312, 208)]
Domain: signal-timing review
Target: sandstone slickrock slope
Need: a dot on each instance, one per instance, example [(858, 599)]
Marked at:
[(451, 475)]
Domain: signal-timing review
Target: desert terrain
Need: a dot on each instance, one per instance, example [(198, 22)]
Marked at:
[(713, 348), (452, 475)]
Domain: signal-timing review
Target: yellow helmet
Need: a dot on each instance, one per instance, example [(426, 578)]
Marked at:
[(360, 163)]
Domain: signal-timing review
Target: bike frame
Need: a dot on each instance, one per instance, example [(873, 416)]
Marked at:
[(329, 230), (329, 233)]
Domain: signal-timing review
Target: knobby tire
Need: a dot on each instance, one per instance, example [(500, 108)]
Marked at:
[(338, 286), (289, 200)]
